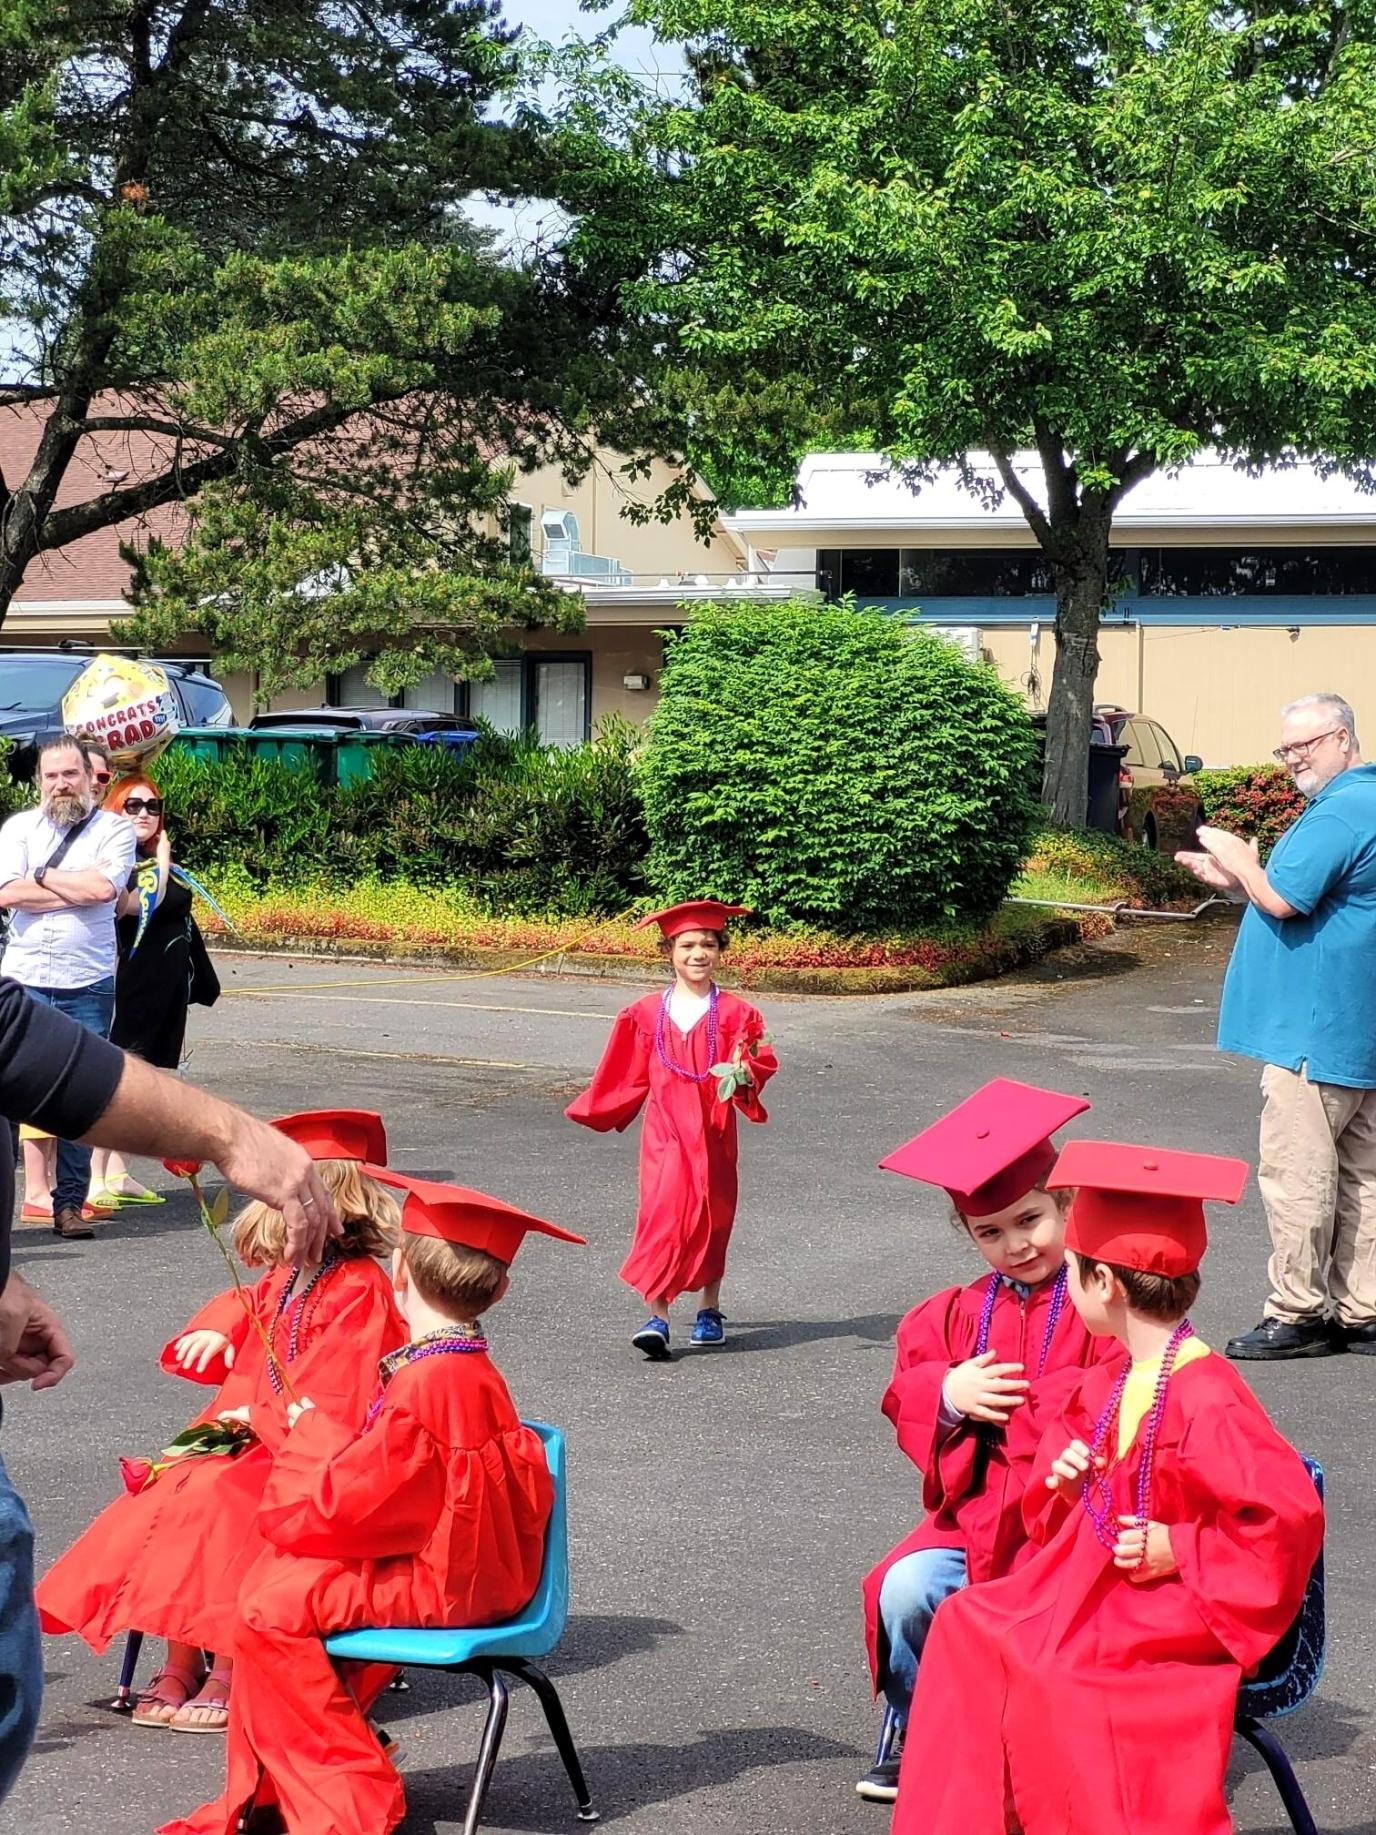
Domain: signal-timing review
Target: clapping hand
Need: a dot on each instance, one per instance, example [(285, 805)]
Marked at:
[(983, 1390)]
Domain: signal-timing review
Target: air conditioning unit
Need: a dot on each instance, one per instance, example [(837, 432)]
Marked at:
[(563, 557)]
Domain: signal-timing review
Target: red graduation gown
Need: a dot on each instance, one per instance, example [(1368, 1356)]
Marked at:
[(1107, 1702), (170, 1560), (435, 1515), (688, 1143), (973, 1477)]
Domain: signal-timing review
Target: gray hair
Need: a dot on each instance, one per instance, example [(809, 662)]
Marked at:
[(1341, 713)]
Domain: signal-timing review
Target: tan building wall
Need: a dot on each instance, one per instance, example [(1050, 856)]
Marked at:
[(599, 502), (1217, 692)]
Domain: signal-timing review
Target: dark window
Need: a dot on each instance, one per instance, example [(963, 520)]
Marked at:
[(36, 682), (518, 533), (939, 573), (1175, 573), (1170, 757), (204, 699)]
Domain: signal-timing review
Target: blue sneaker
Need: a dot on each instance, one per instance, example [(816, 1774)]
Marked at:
[(709, 1327), (653, 1339)]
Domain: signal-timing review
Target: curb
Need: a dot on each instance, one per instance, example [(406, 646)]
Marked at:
[(1003, 957)]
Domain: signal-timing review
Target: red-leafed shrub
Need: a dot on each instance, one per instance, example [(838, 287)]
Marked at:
[(1249, 800)]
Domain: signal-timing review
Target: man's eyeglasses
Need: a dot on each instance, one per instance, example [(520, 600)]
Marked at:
[(141, 805), (1301, 749)]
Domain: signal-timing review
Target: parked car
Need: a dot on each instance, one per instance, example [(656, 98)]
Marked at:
[(1158, 805), (33, 683), (415, 720)]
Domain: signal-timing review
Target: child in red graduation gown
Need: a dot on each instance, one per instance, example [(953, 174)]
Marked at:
[(978, 1372), (433, 1514), (681, 1049), (168, 1557), (1092, 1691)]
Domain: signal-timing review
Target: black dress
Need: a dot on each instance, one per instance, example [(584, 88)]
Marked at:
[(155, 983)]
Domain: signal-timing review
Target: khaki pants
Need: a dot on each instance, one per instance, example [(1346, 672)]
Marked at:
[(1318, 1183)]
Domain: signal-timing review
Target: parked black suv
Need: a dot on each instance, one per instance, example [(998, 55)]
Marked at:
[(33, 682), (365, 720)]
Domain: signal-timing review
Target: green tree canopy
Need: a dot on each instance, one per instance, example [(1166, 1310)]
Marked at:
[(236, 227), (1110, 232)]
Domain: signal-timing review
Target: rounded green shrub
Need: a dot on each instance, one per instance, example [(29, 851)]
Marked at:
[(830, 766)]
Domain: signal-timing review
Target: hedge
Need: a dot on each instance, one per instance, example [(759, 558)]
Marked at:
[(833, 767), (523, 828), (1258, 800)]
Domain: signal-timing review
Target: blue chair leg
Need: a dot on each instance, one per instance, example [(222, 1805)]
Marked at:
[(888, 1735), (548, 1696), (1282, 1772), (123, 1703), (493, 1729)]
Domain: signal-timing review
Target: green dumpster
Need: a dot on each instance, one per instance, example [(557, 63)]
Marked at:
[(353, 759)]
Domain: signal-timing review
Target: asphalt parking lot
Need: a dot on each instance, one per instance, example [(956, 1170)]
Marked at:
[(722, 1507)]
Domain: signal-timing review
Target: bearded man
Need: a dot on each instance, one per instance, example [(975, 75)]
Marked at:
[(62, 869)]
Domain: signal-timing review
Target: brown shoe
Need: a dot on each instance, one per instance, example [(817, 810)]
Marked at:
[(69, 1226)]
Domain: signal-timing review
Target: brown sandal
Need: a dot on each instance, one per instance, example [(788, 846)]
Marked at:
[(159, 1695), (211, 1704)]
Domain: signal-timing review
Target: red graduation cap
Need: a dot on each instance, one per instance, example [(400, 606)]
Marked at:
[(337, 1134), (1143, 1207), (698, 914), (469, 1219), (991, 1149)]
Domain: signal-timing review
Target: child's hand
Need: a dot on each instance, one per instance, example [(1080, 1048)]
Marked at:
[(197, 1350), (295, 1410), (238, 1415), (1145, 1552), (983, 1390), (1069, 1472)]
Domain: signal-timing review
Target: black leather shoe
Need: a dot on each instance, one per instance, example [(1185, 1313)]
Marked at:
[(69, 1226), (1360, 1338), (1285, 1338)]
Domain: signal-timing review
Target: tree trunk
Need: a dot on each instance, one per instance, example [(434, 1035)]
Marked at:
[(1081, 593)]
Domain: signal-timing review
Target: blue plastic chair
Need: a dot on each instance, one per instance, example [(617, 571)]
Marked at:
[(1282, 1683), (493, 1652)]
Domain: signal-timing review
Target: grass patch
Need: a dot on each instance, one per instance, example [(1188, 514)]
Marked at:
[(1085, 868), (405, 920)]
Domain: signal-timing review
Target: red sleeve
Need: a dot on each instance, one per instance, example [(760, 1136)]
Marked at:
[(621, 1081), (924, 1355), (225, 1314), (761, 1067), (1044, 1510), (1254, 1531), (355, 1496), (338, 1368)]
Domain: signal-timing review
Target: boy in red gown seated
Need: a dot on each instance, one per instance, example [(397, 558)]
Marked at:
[(1092, 1691), (434, 1514)]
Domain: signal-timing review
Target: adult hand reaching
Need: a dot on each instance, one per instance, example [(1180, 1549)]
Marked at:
[(33, 1346), (259, 1160)]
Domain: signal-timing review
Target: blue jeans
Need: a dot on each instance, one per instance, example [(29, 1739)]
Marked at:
[(21, 1659), (94, 1008), (911, 1591)]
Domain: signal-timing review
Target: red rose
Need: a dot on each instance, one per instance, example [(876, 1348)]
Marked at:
[(183, 1169), (136, 1473)]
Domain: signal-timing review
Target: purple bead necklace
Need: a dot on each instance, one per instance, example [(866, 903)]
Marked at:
[(294, 1305), (447, 1341), (986, 1317), (662, 1046), (1097, 1494)]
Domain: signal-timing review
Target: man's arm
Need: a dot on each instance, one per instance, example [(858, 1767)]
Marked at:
[(1238, 859), (62, 890)]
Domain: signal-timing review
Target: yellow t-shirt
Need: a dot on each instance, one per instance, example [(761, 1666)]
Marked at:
[(1141, 1387)]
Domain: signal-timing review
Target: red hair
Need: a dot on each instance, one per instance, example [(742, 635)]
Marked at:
[(120, 793)]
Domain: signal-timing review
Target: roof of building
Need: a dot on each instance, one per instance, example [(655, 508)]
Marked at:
[(855, 499)]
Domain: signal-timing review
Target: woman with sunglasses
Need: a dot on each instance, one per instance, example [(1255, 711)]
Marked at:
[(163, 965)]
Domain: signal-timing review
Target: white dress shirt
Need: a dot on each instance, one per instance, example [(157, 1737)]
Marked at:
[(73, 948)]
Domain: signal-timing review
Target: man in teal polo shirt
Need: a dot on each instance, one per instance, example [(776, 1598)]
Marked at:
[(1300, 995)]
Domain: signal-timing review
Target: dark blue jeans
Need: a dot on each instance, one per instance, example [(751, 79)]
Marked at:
[(94, 1008), (21, 1659)]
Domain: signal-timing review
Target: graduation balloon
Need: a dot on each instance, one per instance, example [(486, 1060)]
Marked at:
[(129, 706)]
